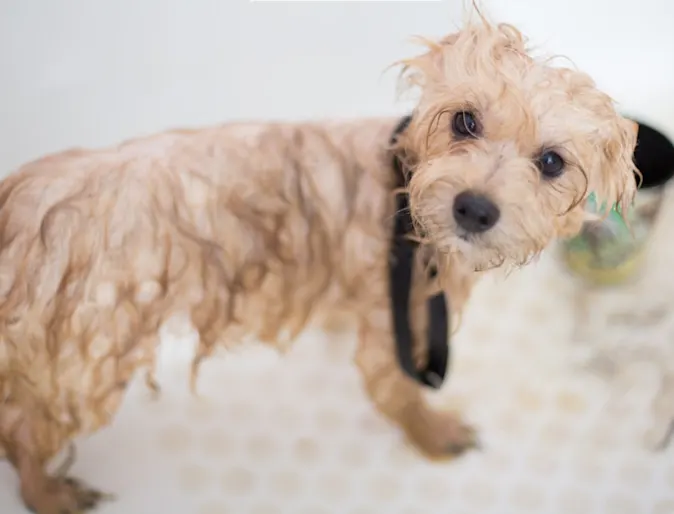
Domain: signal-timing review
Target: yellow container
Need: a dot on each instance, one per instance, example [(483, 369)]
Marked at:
[(608, 251)]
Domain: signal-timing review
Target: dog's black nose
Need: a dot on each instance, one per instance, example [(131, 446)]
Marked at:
[(475, 212)]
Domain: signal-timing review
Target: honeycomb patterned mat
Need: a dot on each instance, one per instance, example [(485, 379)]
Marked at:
[(570, 415)]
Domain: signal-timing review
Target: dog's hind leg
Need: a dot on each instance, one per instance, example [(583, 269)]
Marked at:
[(436, 434), (31, 440)]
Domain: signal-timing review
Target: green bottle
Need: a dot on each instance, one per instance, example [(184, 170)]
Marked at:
[(609, 251)]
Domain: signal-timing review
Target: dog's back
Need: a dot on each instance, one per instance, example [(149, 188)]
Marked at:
[(248, 228)]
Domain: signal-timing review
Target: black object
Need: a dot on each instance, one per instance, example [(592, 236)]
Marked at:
[(400, 284), (653, 156)]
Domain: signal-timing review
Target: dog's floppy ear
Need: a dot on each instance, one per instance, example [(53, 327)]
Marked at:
[(615, 178)]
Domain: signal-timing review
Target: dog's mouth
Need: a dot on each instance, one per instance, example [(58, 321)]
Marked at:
[(464, 242), (466, 236), (476, 250)]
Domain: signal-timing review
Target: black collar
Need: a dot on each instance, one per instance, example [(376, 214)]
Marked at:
[(400, 284)]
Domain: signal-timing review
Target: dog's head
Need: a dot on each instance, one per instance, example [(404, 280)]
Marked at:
[(504, 149)]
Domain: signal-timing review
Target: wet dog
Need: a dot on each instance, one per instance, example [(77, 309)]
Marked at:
[(257, 229)]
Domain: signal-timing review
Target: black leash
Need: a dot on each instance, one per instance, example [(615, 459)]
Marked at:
[(400, 284)]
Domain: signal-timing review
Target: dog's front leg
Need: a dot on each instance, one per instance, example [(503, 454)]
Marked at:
[(436, 434)]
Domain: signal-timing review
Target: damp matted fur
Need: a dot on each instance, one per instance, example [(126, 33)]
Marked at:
[(256, 229)]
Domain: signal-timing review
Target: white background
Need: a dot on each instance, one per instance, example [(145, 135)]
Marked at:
[(80, 72)]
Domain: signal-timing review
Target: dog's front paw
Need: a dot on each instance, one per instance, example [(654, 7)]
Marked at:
[(440, 435)]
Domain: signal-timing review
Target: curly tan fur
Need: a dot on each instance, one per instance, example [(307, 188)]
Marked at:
[(256, 229)]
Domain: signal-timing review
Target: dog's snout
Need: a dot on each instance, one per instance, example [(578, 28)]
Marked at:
[(475, 212)]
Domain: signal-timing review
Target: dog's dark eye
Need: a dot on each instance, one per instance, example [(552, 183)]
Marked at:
[(465, 125), (551, 164)]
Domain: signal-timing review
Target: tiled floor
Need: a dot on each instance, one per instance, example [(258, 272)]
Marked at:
[(565, 425)]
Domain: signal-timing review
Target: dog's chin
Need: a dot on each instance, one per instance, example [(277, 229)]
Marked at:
[(475, 251), (465, 244)]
